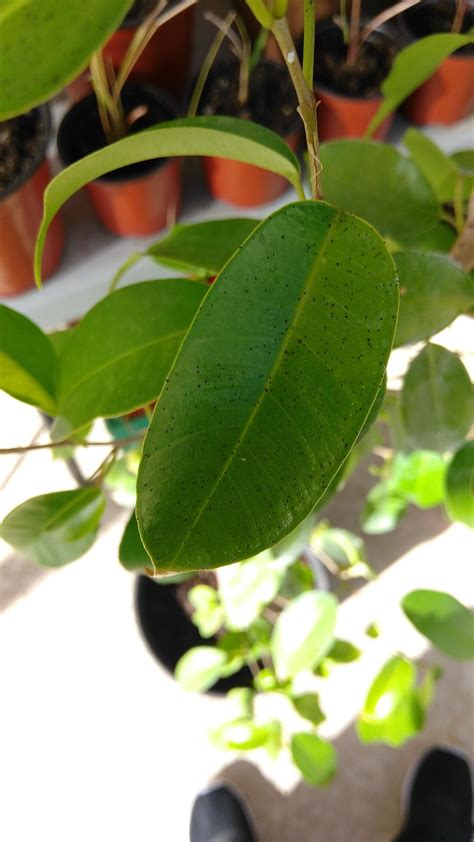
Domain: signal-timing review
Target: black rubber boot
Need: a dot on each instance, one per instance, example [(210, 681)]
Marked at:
[(219, 816), (438, 800)]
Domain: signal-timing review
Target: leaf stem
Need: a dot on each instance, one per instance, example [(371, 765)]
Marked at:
[(309, 38), (114, 444), (209, 60)]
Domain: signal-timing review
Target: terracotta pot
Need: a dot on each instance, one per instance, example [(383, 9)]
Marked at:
[(21, 209), (136, 200), (342, 116), (165, 61)]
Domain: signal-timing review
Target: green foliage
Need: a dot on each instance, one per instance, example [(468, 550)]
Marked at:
[(378, 183), (393, 712), (412, 66), (28, 363), (436, 400), (208, 612), (308, 707), (132, 553), (418, 477), (241, 735), (303, 633), (227, 137), (443, 620), (261, 424), (199, 668), (383, 509), (202, 248), (117, 358), (345, 549), (315, 758), (433, 291), (459, 492), (57, 528), (46, 44), (442, 171)]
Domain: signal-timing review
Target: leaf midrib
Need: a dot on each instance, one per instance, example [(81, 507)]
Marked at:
[(276, 364)]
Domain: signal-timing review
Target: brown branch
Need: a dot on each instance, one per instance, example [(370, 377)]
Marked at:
[(463, 249), (115, 444)]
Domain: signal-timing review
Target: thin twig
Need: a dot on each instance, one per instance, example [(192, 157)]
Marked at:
[(385, 16), (463, 248), (461, 9), (206, 66), (309, 39), (115, 444)]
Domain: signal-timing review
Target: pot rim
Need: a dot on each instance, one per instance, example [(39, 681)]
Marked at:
[(111, 178), (38, 158)]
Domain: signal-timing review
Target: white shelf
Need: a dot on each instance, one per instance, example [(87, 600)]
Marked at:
[(92, 255)]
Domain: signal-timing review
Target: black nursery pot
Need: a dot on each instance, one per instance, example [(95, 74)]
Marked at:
[(170, 633)]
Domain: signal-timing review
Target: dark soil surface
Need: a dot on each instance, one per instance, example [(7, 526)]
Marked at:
[(21, 142), (271, 101), (363, 79), (429, 18)]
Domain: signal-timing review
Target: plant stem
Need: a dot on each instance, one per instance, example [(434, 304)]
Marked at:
[(206, 66), (458, 203), (244, 74), (114, 444), (384, 16), (309, 37), (306, 102), (354, 32), (463, 249), (128, 263), (461, 9)]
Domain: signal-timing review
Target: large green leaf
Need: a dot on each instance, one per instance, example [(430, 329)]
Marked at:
[(46, 43), (459, 492), (132, 553), (436, 400), (28, 363), (200, 668), (378, 183), (204, 247), (225, 137), (56, 528), (315, 758), (118, 356), (443, 620), (433, 291), (303, 633), (392, 712), (270, 389), (441, 170), (412, 66)]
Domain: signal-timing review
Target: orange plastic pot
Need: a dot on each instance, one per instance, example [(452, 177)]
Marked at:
[(245, 185), (137, 200), (165, 61), (447, 97), (20, 216), (343, 116)]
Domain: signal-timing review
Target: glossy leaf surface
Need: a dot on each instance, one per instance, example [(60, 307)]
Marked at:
[(28, 363), (204, 247), (433, 291), (436, 400), (315, 758), (303, 633), (460, 485), (56, 528), (226, 137), (443, 620), (46, 44), (270, 389), (378, 183), (118, 356), (441, 170)]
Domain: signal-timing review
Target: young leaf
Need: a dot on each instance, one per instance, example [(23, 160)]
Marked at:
[(270, 389), (378, 183), (436, 400), (199, 668), (57, 528), (343, 652), (459, 491), (412, 66), (208, 614), (443, 620), (303, 633), (204, 247), (315, 758), (433, 291), (241, 735), (246, 588), (132, 553), (441, 170), (28, 363), (419, 477), (225, 137), (383, 509), (46, 44), (392, 712), (307, 705), (117, 358)]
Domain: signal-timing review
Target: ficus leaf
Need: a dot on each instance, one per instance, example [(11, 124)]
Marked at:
[(28, 363), (441, 170), (132, 553), (459, 490), (443, 620), (392, 711), (200, 667), (270, 389), (315, 758), (303, 633)]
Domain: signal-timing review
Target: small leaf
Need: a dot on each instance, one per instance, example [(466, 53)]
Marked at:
[(345, 548), (343, 652), (208, 614), (28, 363), (436, 400), (419, 477), (203, 247), (132, 553), (443, 620), (372, 631), (46, 44), (199, 668), (241, 735), (392, 712), (459, 491), (384, 508), (412, 66), (307, 705), (57, 528), (378, 183), (118, 356), (225, 137), (433, 291), (246, 588), (437, 167), (266, 681), (303, 633), (315, 758)]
